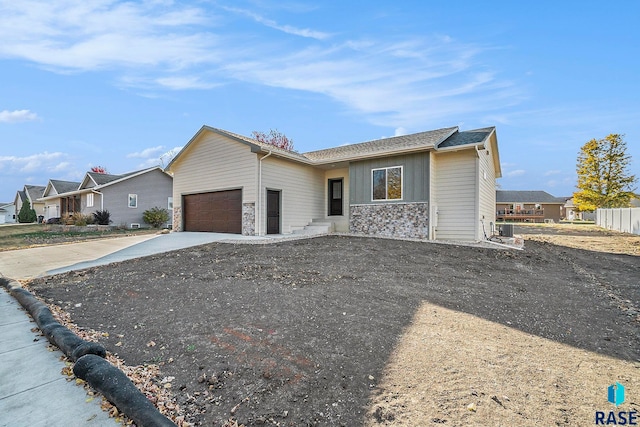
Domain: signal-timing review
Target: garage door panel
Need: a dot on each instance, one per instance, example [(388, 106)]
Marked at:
[(219, 212)]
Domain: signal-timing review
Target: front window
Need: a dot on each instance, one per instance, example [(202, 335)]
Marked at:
[(133, 200), (386, 183), (90, 200), (170, 203)]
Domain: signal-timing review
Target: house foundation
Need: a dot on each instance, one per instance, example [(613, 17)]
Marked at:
[(408, 220)]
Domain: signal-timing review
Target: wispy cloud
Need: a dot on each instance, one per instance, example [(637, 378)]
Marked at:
[(74, 35), (155, 156), (514, 173), (147, 152), (16, 116), (289, 29), (40, 162), (404, 82)]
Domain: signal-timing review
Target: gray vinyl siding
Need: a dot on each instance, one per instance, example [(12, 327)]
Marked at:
[(415, 179), (153, 189)]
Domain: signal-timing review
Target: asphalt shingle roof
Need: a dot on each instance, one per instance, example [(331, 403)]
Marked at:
[(103, 178), (505, 196), (64, 186), (427, 139), (467, 137), (34, 191)]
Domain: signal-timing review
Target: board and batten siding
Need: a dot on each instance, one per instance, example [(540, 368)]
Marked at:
[(300, 189), (215, 163), (487, 192), (456, 182), (415, 178)]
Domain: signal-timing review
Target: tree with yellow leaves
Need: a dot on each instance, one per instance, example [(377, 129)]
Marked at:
[(603, 180)]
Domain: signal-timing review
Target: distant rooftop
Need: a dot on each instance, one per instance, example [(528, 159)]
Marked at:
[(504, 196)]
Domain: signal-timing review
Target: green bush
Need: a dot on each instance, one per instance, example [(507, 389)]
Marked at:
[(26, 214), (156, 217)]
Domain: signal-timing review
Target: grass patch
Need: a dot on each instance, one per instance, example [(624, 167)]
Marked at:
[(30, 235)]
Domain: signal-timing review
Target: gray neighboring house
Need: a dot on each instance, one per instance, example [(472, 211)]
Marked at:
[(529, 206), (7, 213), (32, 193), (125, 196)]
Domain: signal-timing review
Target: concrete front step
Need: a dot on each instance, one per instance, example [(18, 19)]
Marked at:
[(316, 227)]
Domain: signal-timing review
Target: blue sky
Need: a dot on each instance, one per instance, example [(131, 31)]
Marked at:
[(120, 84)]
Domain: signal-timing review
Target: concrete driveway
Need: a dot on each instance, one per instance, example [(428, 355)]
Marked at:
[(34, 262)]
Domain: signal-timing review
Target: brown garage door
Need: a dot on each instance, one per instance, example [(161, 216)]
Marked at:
[(219, 211)]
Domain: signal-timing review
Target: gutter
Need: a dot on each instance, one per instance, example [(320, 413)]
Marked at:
[(259, 210)]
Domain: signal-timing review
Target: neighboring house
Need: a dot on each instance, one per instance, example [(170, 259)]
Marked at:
[(438, 184), (57, 206), (528, 206), (570, 211), (7, 213), (31, 193), (125, 196)]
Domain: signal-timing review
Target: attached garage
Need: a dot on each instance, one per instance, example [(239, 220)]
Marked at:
[(218, 212)]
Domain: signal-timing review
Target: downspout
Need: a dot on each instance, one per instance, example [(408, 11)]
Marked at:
[(259, 210), (101, 199)]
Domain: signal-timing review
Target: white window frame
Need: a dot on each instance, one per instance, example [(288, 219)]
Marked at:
[(170, 203), (134, 198), (386, 184), (89, 200)]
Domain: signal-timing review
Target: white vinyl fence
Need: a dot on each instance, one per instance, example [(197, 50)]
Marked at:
[(620, 219)]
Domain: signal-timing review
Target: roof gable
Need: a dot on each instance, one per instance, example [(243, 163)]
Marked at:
[(56, 186)]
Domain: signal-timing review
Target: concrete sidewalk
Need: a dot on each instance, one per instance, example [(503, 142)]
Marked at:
[(33, 392)]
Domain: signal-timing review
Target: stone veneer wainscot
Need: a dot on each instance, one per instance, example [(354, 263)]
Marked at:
[(410, 220), (248, 219), (177, 218)]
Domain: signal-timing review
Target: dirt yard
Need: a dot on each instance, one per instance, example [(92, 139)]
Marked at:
[(359, 331)]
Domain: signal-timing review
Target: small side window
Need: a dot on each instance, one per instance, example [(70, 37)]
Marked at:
[(133, 200)]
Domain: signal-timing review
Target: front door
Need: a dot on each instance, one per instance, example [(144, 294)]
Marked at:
[(335, 196), (273, 212)]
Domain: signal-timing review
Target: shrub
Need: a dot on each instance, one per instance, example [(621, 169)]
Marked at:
[(79, 219), (102, 217), (156, 216), (26, 214)]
